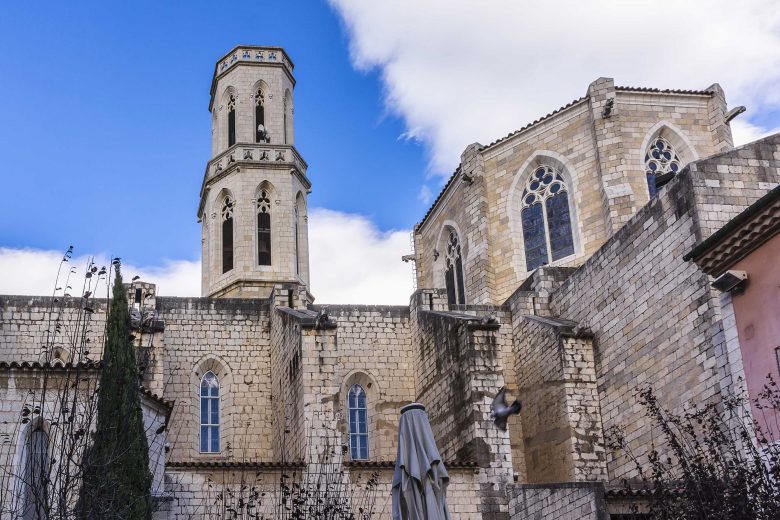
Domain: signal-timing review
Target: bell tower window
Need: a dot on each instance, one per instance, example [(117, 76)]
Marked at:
[(231, 120), (264, 228), (661, 164), (261, 132), (547, 233), (456, 293), (297, 238), (227, 234)]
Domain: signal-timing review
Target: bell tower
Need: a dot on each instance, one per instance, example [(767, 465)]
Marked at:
[(253, 197)]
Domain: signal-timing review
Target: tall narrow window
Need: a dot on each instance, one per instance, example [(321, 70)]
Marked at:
[(231, 120), (209, 413), (297, 246), (661, 164), (285, 120), (358, 423), (261, 133), (547, 233), (456, 293), (36, 474), (264, 228), (227, 234)]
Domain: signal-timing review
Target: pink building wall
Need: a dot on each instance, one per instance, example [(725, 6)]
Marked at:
[(757, 314)]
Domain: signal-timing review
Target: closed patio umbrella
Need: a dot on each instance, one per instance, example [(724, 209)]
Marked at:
[(420, 479)]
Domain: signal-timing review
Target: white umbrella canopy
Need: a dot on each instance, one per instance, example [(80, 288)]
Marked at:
[(420, 479)]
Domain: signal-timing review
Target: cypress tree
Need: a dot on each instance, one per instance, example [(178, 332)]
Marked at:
[(116, 479)]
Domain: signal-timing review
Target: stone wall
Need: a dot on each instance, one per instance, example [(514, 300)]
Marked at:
[(27, 322), (231, 338), (374, 351), (655, 318), (574, 501), (601, 157)]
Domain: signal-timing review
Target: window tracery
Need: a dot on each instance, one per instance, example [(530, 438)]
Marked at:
[(546, 221), (661, 164), (231, 106), (456, 293), (261, 132), (227, 234), (264, 228)]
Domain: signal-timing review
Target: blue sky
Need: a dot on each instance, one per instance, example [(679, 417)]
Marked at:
[(105, 131)]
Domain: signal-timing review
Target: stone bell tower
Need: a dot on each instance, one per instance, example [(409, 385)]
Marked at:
[(253, 198)]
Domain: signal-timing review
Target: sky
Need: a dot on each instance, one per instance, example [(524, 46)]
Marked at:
[(106, 132)]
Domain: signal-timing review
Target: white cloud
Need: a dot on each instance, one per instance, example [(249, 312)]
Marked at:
[(425, 194), (459, 71), (34, 271), (744, 131), (351, 262)]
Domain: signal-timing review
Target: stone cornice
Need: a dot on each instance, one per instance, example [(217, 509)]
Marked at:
[(262, 155)]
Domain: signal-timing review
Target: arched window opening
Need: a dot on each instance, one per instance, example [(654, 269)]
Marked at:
[(264, 228), (227, 234), (36, 474), (285, 120), (456, 293), (288, 108), (209, 413), (547, 233), (261, 132), (661, 164), (231, 120), (358, 423), (297, 238)]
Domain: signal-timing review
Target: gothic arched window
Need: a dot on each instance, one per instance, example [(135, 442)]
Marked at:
[(35, 500), (287, 117), (297, 217), (231, 106), (547, 234), (264, 228), (209, 413), (358, 423), (456, 293), (261, 132), (227, 234), (661, 164)]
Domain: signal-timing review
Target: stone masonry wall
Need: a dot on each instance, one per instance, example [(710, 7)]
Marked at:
[(655, 318), (602, 159), (25, 320), (229, 337), (575, 501), (374, 351), (459, 373)]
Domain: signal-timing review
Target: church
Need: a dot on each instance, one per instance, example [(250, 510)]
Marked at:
[(551, 264)]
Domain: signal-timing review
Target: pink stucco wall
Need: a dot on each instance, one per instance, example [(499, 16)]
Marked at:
[(757, 313)]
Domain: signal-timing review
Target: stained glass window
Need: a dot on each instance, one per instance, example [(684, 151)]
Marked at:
[(456, 293), (546, 220), (661, 163), (231, 120), (209, 413), (227, 234), (358, 423), (264, 228)]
